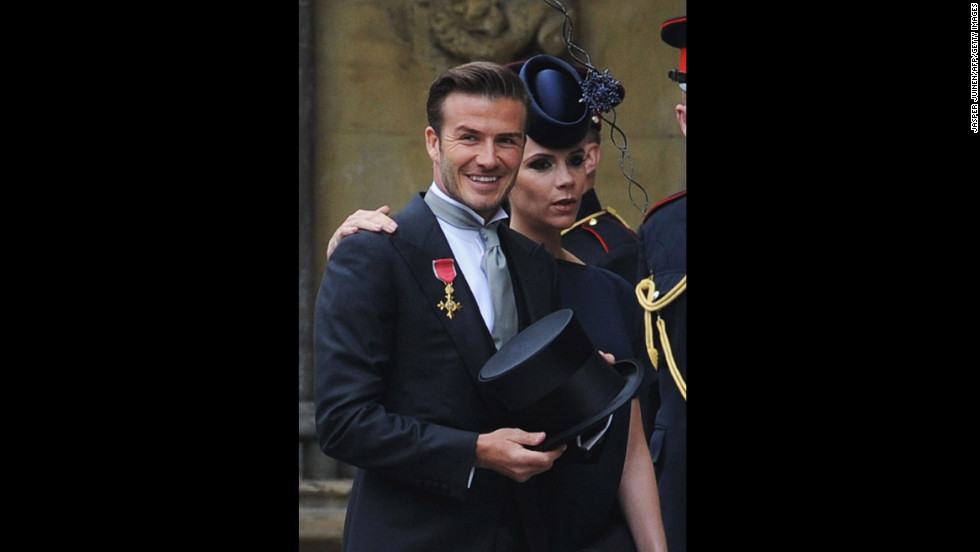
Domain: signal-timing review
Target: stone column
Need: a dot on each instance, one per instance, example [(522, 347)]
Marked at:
[(306, 278)]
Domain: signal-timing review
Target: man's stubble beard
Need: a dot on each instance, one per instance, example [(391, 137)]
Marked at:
[(450, 180)]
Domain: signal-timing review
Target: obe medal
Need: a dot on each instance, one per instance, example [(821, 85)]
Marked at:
[(445, 270)]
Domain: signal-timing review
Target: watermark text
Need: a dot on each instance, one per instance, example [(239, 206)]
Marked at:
[(974, 82)]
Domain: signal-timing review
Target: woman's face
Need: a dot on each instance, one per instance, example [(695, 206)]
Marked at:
[(550, 184)]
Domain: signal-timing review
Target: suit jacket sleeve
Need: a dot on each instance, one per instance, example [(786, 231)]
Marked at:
[(380, 384)]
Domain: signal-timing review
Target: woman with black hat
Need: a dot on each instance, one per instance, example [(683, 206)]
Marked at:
[(585, 502)]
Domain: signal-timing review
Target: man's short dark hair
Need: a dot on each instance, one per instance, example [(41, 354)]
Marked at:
[(594, 134), (480, 78)]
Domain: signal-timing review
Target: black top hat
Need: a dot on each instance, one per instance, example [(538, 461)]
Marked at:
[(557, 118), (674, 32), (551, 378)]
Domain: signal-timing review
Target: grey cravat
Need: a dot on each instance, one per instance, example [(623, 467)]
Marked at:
[(494, 264)]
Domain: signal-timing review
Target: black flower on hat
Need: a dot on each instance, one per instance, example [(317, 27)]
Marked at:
[(601, 92)]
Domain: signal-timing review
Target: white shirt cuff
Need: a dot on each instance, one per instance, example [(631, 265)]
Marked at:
[(595, 438)]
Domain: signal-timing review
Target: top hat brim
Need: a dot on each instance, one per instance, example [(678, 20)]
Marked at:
[(632, 373)]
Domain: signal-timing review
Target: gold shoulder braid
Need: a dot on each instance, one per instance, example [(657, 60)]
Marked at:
[(613, 212), (592, 218), (650, 300)]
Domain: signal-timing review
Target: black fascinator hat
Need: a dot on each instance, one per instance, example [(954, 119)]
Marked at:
[(557, 117)]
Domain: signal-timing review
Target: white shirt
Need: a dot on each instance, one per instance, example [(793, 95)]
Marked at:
[(468, 248)]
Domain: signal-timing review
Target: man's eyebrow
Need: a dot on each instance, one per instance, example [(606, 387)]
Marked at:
[(463, 129)]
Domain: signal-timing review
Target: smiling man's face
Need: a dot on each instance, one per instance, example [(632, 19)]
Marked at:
[(476, 159)]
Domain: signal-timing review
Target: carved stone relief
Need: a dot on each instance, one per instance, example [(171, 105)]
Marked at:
[(445, 33)]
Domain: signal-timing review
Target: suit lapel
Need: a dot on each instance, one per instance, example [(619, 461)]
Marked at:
[(533, 272), (421, 241)]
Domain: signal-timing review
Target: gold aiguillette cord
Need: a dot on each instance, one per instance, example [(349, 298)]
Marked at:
[(648, 296)]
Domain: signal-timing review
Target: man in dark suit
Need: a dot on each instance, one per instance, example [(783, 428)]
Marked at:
[(403, 325)]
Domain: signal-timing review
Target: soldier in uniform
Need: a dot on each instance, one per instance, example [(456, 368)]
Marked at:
[(661, 292), (601, 237)]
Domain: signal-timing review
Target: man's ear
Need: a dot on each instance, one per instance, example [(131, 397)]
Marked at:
[(432, 143), (593, 154), (682, 118)]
